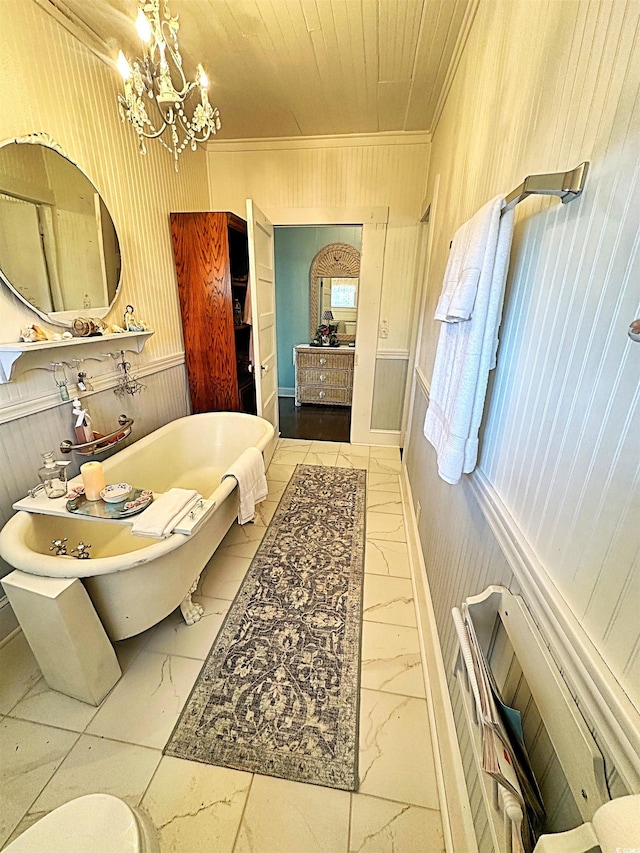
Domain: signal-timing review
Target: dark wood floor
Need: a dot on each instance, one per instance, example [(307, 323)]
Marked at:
[(318, 423)]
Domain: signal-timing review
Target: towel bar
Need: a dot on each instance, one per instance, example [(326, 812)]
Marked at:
[(566, 185), (103, 442)]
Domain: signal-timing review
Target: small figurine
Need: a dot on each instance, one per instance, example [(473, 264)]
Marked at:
[(130, 322)]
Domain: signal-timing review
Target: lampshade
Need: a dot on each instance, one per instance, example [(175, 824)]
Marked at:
[(327, 316)]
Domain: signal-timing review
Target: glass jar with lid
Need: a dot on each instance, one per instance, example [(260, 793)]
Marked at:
[(53, 476)]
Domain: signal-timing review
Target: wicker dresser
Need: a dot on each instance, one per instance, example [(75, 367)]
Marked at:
[(323, 375)]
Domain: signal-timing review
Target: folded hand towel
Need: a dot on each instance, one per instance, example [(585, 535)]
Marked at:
[(163, 515), (470, 309), (248, 470), (467, 261), (457, 303)]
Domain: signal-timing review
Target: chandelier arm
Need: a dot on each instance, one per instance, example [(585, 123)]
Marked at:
[(190, 136), (156, 135), (185, 87), (139, 128), (204, 136), (151, 80)]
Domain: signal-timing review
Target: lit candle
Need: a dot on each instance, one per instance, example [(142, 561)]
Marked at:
[(93, 480), (143, 26), (123, 66)]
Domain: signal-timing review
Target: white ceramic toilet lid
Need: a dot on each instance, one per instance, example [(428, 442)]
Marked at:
[(96, 823)]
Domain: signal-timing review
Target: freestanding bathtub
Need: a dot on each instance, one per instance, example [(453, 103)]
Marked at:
[(134, 581)]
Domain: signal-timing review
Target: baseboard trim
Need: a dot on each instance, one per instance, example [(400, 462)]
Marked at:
[(455, 809), (376, 437)]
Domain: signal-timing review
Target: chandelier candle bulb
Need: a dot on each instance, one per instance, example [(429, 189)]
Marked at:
[(143, 27), (93, 480), (157, 98), (123, 66)]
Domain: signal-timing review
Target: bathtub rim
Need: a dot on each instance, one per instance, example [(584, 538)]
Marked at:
[(18, 555)]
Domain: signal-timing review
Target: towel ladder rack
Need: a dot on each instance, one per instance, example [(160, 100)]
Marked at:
[(566, 185)]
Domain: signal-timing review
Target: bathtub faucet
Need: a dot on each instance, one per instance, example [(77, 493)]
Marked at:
[(81, 551), (59, 547)]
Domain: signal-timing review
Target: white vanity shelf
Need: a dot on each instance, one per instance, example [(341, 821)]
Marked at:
[(42, 505), (577, 752), (18, 357)]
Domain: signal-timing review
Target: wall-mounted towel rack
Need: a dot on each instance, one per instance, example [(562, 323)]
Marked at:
[(510, 640), (566, 185)]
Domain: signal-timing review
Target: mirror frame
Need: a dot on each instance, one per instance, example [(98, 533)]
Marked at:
[(336, 260), (61, 318)]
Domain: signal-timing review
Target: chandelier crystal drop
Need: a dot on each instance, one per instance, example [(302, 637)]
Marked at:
[(156, 90)]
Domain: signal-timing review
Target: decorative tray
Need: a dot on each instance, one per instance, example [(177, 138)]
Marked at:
[(135, 502)]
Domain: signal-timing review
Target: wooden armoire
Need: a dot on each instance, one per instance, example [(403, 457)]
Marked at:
[(212, 266)]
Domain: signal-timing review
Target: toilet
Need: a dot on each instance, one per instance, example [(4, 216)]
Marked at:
[(96, 823)]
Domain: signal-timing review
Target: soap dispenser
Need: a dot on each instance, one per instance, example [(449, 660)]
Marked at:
[(53, 476)]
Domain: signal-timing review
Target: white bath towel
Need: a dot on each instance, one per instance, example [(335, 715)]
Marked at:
[(470, 309), (160, 519), (248, 470)]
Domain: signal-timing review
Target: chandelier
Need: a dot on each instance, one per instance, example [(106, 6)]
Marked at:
[(156, 90)]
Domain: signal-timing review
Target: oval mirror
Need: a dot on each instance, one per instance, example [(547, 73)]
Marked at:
[(59, 251)]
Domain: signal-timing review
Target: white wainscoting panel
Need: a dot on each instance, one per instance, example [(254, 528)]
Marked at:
[(463, 556), (388, 390), (540, 88)]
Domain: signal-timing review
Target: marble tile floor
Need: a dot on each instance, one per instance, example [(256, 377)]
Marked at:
[(53, 748)]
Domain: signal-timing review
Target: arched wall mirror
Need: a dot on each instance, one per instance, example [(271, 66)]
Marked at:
[(59, 251), (334, 280)]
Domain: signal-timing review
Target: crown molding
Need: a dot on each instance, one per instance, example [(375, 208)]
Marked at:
[(61, 13), (458, 50), (349, 140)]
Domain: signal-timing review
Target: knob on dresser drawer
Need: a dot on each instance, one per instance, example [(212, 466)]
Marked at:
[(323, 361), (323, 376), (321, 394)]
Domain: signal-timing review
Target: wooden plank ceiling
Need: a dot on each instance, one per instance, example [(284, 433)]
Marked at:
[(304, 67)]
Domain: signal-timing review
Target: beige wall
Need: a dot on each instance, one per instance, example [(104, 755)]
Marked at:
[(52, 83), (540, 88), (342, 173)]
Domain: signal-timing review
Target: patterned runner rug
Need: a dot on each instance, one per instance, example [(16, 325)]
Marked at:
[(279, 691)]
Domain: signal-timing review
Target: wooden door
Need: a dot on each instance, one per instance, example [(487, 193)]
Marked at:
[(201, 251), (263, 309)]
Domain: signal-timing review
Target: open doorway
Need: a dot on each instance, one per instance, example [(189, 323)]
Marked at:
[(295, 248)]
